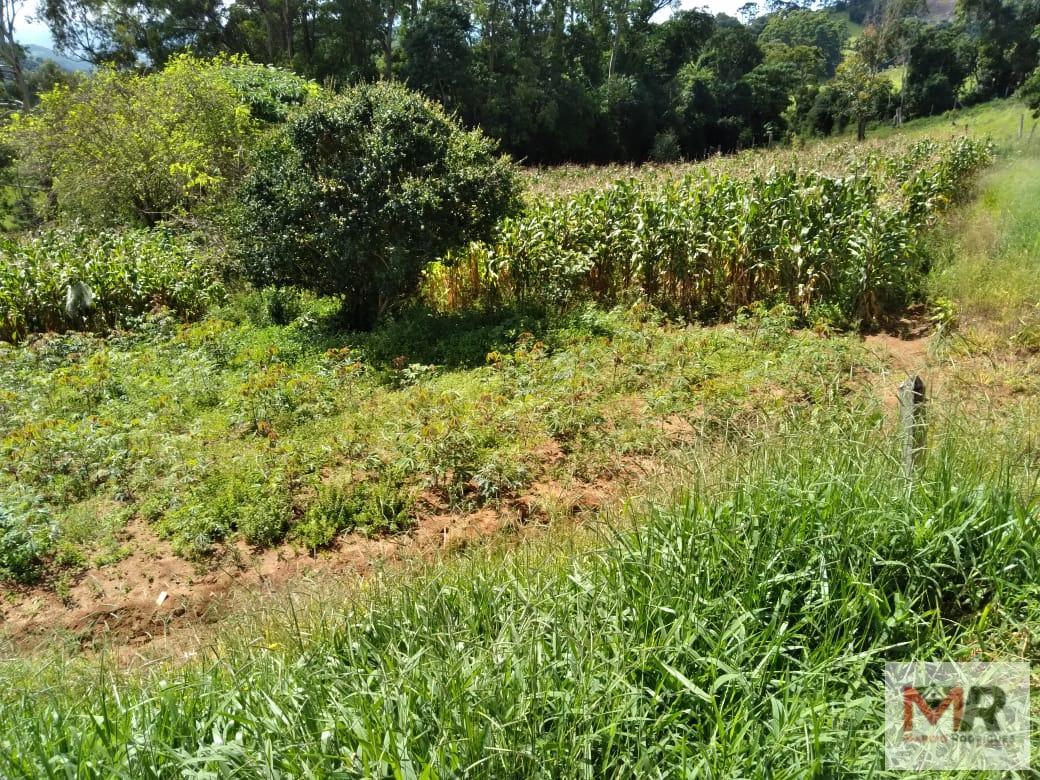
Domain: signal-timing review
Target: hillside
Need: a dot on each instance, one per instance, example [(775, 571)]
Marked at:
[(40, 54), (859, 12), (659, 528)]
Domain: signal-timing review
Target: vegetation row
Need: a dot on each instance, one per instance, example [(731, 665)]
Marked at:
[(353, 195), (844, 250)]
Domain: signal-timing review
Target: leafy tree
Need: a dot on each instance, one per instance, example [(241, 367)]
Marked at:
[(270, 93), (731, 52), (770, 86), (939, 61), (808, 28), (805, 71), (437, 54), (126, 33), (860, 94), (1003, 35), (678, 40), (123, 148), (628, 117), (695, 107), (585, 80), (887, 37), (12, 54), (338, 40), (1030, 92), (357, 192)]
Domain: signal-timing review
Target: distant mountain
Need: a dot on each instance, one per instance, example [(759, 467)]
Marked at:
[(37, 54)]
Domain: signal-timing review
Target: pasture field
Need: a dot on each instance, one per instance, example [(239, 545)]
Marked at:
[(500, 539)]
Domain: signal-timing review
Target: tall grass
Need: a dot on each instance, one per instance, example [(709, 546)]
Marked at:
[(992, 258), (737, 632)]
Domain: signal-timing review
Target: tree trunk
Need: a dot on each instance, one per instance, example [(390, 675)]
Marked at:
[(308, 37), (19, 77), (11, 52), (288, 29), (861, 129)]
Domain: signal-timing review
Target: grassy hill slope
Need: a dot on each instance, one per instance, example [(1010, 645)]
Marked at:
[(732, 617)]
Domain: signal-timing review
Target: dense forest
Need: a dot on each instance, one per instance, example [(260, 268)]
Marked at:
[(590, 80)]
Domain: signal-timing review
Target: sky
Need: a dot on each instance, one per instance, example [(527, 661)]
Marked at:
[(716, 6), (30, 32), (36, 32)]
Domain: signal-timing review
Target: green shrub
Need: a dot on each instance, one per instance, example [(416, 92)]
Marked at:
[(325, 519), (263, 522), (666, 147), (379, 506), (282, 305), (358, 192), (246, 502), (1030, 92), (126, 148), (129, 273)]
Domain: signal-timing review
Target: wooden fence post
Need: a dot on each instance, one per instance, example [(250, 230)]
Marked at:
[(912, 423), (1021, 127)]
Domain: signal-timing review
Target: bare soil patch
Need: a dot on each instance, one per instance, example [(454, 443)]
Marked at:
[(155, 602)]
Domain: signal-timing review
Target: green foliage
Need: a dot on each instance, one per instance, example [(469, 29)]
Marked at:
[(270, 93), (26, 536), (859, 94), (735, 629), (437, 54), (129, 273), (586, 82), (357, 193), (127, 148), (1006, 47), (232, 429), (1030, 93), (705, 247), (235, 499), (940, 60), (666, 147), (817, 29), (372, 507)]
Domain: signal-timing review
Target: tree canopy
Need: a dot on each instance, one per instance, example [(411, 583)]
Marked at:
[(595, 80)]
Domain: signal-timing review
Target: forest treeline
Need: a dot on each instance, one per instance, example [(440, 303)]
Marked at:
[(599, 80)]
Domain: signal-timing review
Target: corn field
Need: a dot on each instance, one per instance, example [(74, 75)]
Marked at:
[(129, 274), (848, 248)]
